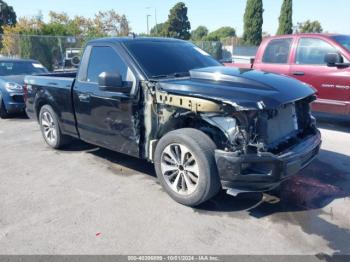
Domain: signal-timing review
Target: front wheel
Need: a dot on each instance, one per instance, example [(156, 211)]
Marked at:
[(50, 128), (185, 166)]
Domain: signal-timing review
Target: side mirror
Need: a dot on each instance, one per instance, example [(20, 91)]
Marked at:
[(112, 82), (333, 59)]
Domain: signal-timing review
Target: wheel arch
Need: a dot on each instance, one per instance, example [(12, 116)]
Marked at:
[(196, 122), (43, 99)]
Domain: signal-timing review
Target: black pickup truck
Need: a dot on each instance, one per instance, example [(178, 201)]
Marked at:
[(204, 126)]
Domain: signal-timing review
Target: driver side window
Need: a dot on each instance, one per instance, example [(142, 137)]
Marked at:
[(312, 51), (104, 59), (277, 51)]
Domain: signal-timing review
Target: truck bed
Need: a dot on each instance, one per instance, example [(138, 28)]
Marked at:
[(56, 88), (56, 79)]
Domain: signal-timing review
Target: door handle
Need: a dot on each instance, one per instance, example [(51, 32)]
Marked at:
[(298, 73), (84, 98)]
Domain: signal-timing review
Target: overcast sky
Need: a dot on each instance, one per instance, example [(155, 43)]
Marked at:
[(211, 13)]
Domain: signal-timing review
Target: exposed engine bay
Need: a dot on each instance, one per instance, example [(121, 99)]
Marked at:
[(233, 128), (271, 130)]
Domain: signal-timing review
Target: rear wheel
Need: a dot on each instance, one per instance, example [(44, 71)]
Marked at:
[(50, 128), (186, 167), (3, 112)]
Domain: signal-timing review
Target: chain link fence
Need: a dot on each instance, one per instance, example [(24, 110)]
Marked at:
[(54, 52), (63, 52), (230, 49)]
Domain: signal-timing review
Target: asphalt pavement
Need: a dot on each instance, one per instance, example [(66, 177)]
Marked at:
[(88, 200)]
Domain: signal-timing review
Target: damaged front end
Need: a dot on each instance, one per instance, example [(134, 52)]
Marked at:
[(268, 146), (262, 140)]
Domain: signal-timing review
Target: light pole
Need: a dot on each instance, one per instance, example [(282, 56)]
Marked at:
[(155, 17), (148, 24)]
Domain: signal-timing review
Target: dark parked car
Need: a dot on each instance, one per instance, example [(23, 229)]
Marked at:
[(12, 73), (204, 126)]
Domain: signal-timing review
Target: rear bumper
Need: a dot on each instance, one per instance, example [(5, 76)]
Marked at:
[(265, 171)]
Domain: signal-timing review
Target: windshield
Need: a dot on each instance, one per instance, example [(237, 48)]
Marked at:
[(8, 68), (169, 58), (343, 40)]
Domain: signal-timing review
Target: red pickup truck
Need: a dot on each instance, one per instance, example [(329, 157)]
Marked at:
[(321, 60)]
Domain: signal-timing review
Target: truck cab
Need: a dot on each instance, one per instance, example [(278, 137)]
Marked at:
[(303, 56)]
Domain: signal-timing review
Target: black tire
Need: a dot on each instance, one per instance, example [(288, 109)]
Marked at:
[(3, 112), (59, 140), (202, 148)]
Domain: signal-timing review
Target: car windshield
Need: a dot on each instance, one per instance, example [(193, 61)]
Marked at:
[(162, 59), (8, 68), (343, 40)]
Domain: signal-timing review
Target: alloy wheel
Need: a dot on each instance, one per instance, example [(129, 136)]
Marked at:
[(49, 127), (180, 169)]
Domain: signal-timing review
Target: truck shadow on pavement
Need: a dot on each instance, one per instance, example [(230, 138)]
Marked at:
[(303, 200), (18, 116), (313, 188), (114, 159)]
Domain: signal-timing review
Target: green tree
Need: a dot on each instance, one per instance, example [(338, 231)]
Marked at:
[(253, 21), (178, 25), (199, 33), (221, 34), (108, 23), (286, 18), (8, 16), (33, 38), (158, 30), (111, 23), (310, 27), (60, 24)]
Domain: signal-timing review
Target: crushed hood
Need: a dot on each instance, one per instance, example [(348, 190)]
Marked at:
[(242, 88)]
